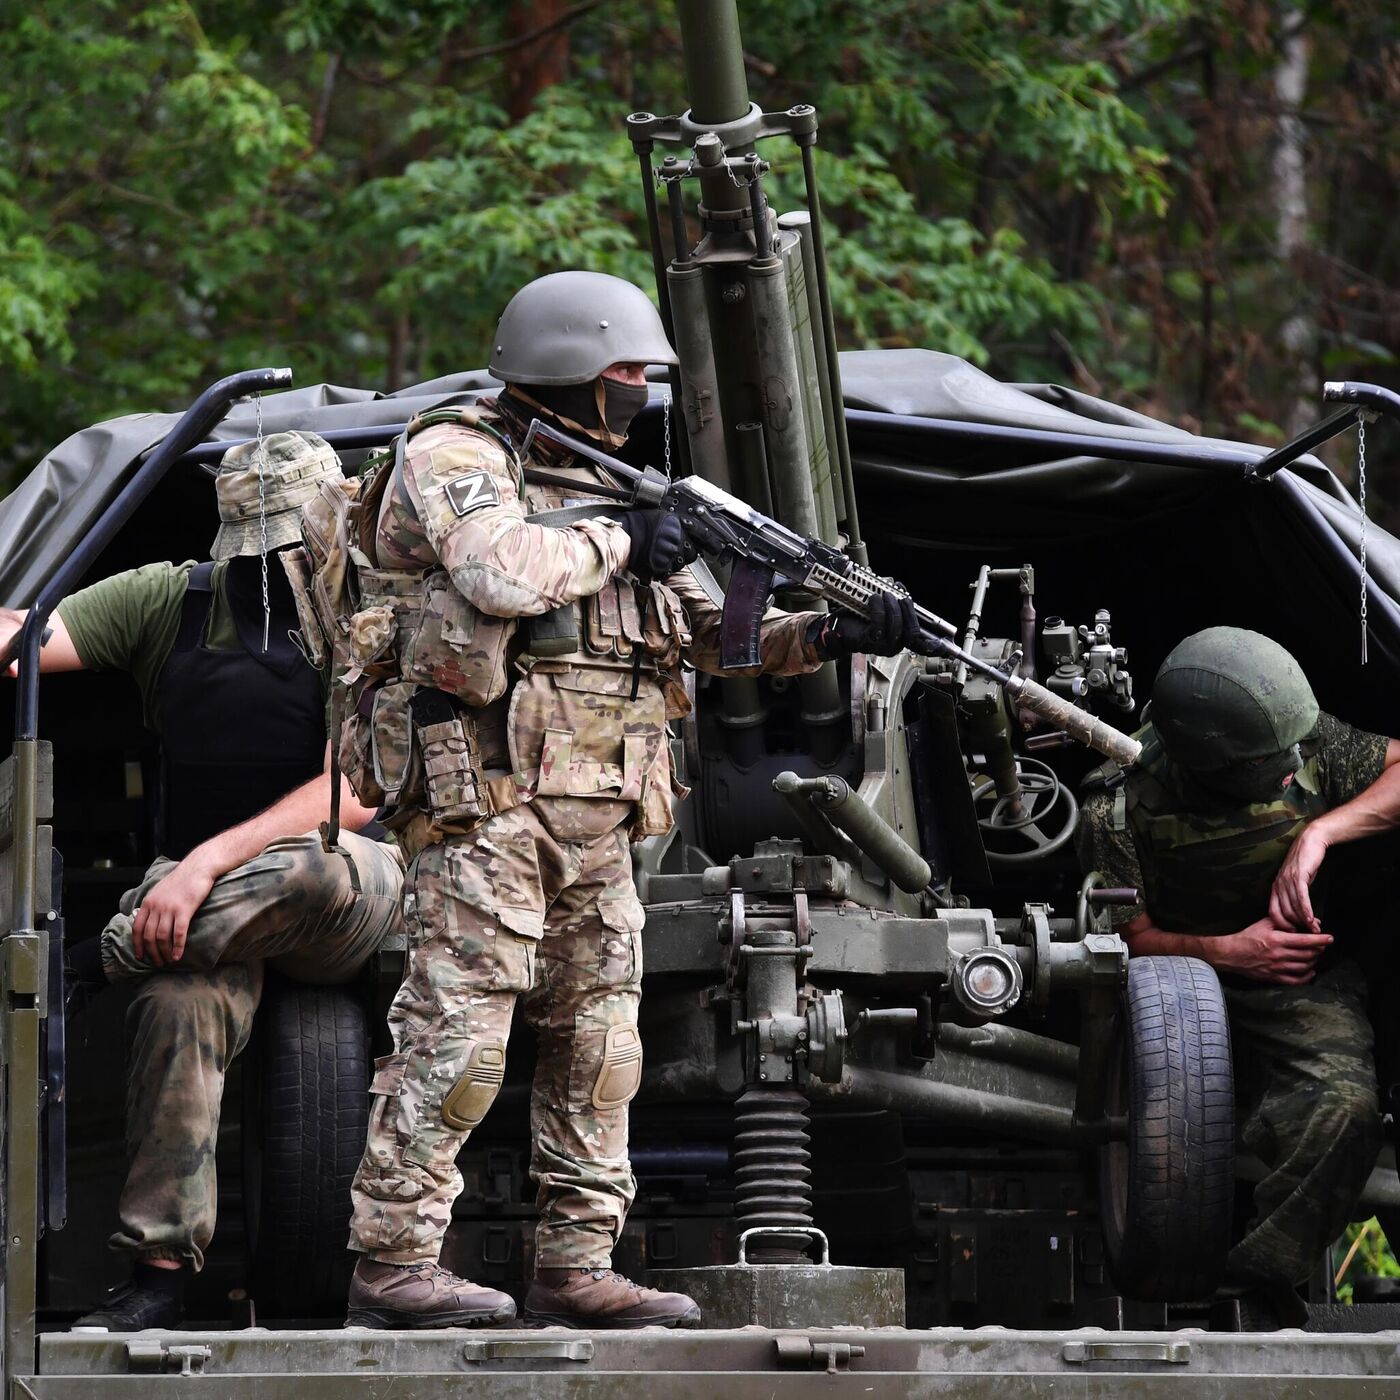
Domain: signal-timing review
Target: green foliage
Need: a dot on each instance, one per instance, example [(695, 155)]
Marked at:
[(1374, 1256), (1076, 189), (513, 201)]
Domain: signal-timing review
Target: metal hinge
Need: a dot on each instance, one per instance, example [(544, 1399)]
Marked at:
[(803, 1354), (163, 1357), (1174, 1353)]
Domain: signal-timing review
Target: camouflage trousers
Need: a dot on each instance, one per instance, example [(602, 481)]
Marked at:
[(510, 913), (1306, 1105), (292, 907)]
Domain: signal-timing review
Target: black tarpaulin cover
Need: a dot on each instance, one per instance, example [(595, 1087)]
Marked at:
[(1032, 493)]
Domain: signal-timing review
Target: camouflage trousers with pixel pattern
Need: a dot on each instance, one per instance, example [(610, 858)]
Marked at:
[(1306, 1105), (294, 908), (510, 912)]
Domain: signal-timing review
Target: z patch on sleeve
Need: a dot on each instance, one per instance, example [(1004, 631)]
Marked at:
[(471, 491)]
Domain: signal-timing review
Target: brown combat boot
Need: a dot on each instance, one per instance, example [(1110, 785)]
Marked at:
[(602, 1298), (421, 1295)]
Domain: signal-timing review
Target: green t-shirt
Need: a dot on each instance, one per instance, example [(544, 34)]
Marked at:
[(129, 622), (1349, 760)]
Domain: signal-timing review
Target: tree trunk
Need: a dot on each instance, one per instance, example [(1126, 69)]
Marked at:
[(540, 64), (1298, 333)]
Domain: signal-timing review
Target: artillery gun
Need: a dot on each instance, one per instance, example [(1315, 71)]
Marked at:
[(897, 1076)]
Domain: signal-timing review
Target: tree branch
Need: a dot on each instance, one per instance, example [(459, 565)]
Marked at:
[(520, 41), (323, 107)]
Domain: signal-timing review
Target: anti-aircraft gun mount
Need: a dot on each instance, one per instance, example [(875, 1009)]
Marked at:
[(840, 955), (851, 967)]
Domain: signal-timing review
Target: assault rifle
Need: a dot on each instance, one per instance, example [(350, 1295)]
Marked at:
[(767, 556)]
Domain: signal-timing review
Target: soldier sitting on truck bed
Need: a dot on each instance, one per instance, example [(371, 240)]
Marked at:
[(1222, 826), (243, 738)]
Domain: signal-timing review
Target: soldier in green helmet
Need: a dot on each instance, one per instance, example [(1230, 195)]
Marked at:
[(1242, 787)]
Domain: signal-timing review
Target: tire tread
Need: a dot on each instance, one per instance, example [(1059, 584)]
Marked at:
[(313, 1118), (1181, 1122)]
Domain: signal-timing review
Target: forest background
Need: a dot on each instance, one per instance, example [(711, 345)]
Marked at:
[(1189, 208)]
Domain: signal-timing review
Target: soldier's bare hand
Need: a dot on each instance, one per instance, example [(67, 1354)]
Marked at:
[(162, 923), (1290, 905), (1264, 952)]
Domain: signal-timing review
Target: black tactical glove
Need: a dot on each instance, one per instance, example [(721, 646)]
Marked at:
[(891, 628), (660, 544)]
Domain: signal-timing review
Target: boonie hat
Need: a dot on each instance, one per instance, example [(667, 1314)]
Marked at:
[(293, 467)]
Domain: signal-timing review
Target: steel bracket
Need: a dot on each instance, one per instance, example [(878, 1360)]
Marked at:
[(1173, 1353), (164, 1358), (578, 1349), (803, 1354)]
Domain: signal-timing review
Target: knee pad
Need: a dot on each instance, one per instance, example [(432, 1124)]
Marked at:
[(620, 1070), (466, 1102)]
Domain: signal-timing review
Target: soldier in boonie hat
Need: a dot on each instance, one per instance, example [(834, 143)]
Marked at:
[(292, 469)]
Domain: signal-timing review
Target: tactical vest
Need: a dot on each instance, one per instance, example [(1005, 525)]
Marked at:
[(456, 715), (238, 730), (1211, 871)]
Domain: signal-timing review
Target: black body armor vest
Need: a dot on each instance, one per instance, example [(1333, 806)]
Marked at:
[(238, 729)]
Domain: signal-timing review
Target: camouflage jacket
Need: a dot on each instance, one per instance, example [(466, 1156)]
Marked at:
[(1201, 868), (579, 722)]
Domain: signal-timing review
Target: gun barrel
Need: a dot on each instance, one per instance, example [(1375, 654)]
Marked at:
[(1079, 724), (849, 812)]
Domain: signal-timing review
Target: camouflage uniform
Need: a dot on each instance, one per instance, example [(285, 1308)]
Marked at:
[(292, 907), (1304, 1072), (520, 813)]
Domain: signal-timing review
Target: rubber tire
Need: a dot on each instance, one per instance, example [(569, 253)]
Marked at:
[(306, 1111), (1166, 1195)]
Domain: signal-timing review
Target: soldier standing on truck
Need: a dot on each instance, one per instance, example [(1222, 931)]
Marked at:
[(520, 734), (237, 883), (1222, 826)]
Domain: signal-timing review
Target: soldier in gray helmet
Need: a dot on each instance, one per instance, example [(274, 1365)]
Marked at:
[(1242, 786), (520, 745)]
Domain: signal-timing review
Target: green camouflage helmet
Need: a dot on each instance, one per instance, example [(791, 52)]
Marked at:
[(1226, 696), (568, 327)]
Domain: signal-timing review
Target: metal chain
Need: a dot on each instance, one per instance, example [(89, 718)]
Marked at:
[(666, 427), (1361, 476), (262, 518)]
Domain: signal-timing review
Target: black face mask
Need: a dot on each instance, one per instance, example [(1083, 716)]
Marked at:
[(578, 403), (570, 403), (244, 583), (1246, 783), (243, 589), (621, 404)]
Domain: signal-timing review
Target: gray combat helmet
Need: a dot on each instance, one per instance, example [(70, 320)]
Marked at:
[(568, 327), (1226, 696)]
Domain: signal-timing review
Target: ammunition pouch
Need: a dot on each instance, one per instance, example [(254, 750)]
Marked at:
[(309, 636), (449, 645), (626, 618), (554, 633), (455, 787)]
